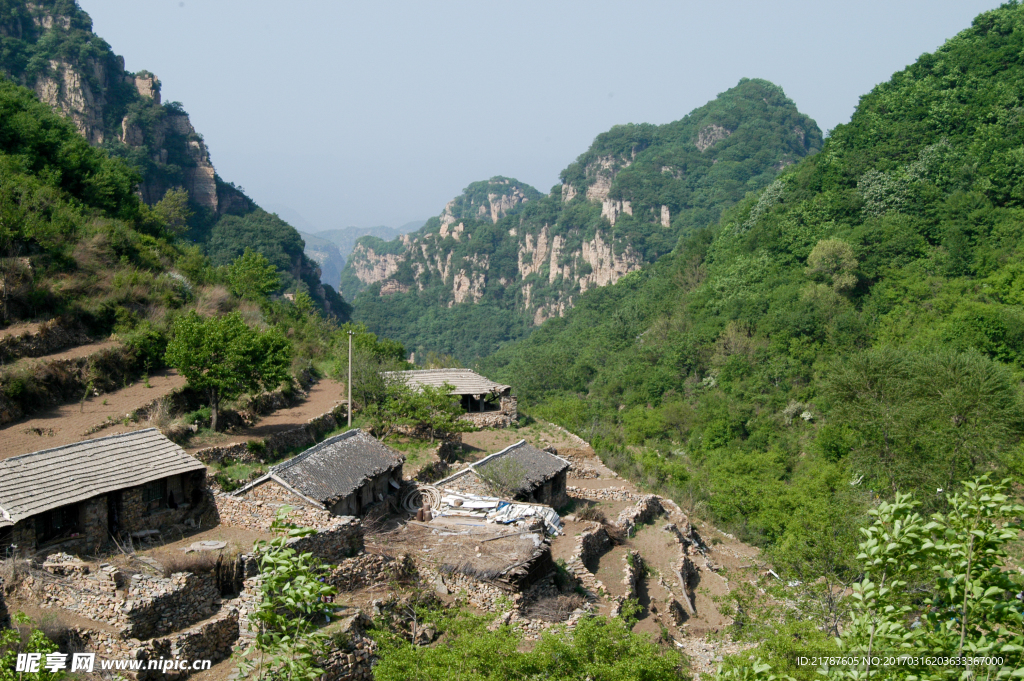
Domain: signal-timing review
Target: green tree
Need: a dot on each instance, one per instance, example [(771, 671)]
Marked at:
[(222, 357), (174, 211), (438, 410), (291, 609), (833, 260), (251, 276), (12, 643)]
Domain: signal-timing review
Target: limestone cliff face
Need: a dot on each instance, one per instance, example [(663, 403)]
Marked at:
[(524, 257), (89, 86), (456, 254)]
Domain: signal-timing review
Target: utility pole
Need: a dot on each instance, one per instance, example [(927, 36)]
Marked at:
[(350, 334)]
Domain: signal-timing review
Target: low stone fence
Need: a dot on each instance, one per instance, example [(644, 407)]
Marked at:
[(369, 569), (333, 543), (306, 435), (593, 543), (590, 545), (146, 606), (633, 571), (356, 658), (647, 509), (603, 494), (212, 640), (489, 419)]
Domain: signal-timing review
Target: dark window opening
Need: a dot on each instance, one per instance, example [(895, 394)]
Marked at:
[(58, 523), (154, 495)]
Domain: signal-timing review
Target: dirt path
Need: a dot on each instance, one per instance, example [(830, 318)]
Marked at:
[(323, 396), (68, 423), (70, 353)]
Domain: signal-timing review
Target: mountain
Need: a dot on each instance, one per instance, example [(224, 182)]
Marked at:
[(852, 331), (502, 257), (49, 47), (331, 247)]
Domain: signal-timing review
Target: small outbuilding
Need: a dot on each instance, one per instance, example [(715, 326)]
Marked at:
[(345, 474), (521, 471), (487, 403), (80, 496)]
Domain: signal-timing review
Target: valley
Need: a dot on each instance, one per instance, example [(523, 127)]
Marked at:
[(733, 392)]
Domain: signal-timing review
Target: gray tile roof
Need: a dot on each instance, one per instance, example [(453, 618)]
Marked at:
[(33, 483), (538, 466), (335, 468), (466, 382)]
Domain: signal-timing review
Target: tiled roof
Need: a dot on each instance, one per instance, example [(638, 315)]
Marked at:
[(335, 468), (33, 483), (466, 382), (537, 465)]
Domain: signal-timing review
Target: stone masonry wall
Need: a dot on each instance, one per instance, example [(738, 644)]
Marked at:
[(369, 569), (644, 511), (258, 515), (303, 436), (275, 493), (145, 607), (212, 640)]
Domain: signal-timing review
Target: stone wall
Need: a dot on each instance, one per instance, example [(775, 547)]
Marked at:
[(334, 543), (48, 338), (259, 515), (356, 658), (212, 640), (644, 511), (369, 569), (303, 436), (593, 543), (271, 491), (144, 607)]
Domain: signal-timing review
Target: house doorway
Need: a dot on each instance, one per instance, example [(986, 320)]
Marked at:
[(114, 510)]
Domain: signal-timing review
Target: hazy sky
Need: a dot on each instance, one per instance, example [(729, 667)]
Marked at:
[(366, 113)]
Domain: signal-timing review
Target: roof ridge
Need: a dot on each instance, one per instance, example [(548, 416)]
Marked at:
[(79, 443)]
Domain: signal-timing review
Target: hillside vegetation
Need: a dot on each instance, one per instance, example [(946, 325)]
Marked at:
[(502, 257), (49, 47), (852, 330)]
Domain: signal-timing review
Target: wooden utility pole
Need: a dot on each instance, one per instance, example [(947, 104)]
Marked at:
[(350, 334)]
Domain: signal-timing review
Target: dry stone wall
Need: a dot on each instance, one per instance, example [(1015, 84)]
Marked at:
[(303, 436), (212, 640), (48, 338), (140, 607), (369, 569), (645, 510)]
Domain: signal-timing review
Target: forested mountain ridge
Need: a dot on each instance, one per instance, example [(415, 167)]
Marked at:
[(851, 331), (502, 257), (49, 47)]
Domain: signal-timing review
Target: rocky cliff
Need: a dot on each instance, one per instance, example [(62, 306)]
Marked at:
[(50, 48), (621, 205)]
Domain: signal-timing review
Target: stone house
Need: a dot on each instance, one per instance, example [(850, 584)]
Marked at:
[(77, 497), (487, 404), (345, 474), (527, 473)]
